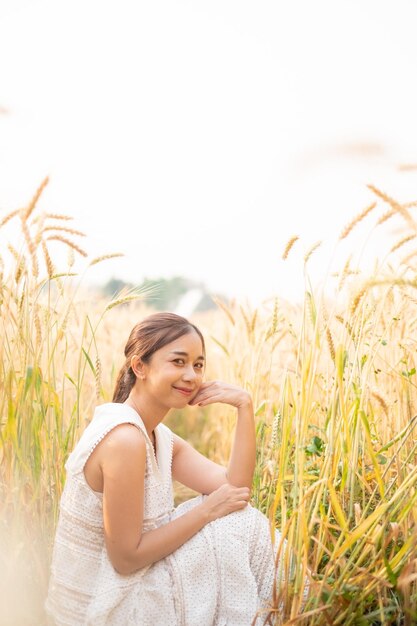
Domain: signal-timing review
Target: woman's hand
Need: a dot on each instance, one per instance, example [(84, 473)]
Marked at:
[(226, 499), (218, 391)]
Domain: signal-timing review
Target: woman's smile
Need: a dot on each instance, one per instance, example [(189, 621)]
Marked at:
[(184, 390)]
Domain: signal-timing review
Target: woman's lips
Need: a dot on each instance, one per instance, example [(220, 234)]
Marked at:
[(185, 392)]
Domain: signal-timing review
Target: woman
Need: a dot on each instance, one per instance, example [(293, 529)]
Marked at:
[(122, 554)]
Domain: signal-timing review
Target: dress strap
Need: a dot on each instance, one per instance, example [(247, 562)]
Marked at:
[(106, 417)]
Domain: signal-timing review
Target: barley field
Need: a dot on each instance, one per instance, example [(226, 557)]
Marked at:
[(333, 382)]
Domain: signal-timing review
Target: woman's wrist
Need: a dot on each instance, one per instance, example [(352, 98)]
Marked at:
[(204, 512), (245, 402)]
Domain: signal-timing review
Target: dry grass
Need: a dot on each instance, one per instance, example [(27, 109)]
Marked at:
[(333, 384)]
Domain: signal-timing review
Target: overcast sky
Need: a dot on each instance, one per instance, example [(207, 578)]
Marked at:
[(198, 137)]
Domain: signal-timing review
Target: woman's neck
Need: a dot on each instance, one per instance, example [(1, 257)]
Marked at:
[(150, 414)]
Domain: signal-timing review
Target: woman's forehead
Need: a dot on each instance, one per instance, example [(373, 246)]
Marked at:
[(189, 344)]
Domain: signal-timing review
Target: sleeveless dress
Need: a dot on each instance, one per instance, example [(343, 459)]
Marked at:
[(221, 576)]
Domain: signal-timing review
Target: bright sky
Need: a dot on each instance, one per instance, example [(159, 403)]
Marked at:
[(198, 137)]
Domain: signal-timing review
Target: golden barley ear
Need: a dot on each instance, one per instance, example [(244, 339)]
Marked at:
[(288, 247), (68, 242), (311, 251), (347, 230), (98, 377), (224, 308), (408, 258), (31, 248), (245, 317), (396, 206), (402, 242), (58, 216), (386, 216), (345, 273), (381, 401), (329, 336), (71, 231), (129, 298), (357, 299), (407, 167), (48, 261), (348, 327), (9, 216), (253, 321), (27, 213), (104, 257)]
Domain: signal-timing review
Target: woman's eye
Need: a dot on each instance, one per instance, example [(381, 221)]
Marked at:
[(200, 365), (178, 360)]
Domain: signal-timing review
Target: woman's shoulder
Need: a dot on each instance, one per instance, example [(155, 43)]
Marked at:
[(105, 418)]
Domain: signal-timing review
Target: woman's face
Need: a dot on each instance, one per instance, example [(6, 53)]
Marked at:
[(175, 372)]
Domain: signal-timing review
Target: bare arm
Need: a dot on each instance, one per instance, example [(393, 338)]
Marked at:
[(123, 461), (193, 469), (243, 456)]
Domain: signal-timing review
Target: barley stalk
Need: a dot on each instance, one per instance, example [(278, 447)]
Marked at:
[(357, 299), (31, 248), (253, 321), (48, 262), (71, 231), (247, 323), (224, 308), (347, 230), (128, 298), (274, 431), (386, 216), (381, 401), (345, 273), (14, 252), (58, 216), (402, 242), (104, 257), (37, 327), (70, 258), (19, 270), (274, 325), (33, 202), (347, 326), (288, 247), (408, 258), (311, 251), (9, 216), (407, 167), (98, 377), (68, 242), (396, 206), (329, 336)]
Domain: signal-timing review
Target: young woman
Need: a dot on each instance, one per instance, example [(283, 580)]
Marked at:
[(123, 555)]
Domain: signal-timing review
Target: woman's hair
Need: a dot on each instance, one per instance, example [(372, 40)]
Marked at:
[(148, 336)]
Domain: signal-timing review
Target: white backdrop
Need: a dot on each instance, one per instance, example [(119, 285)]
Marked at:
[(197, 137)]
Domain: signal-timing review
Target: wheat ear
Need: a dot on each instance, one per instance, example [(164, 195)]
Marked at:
[(312, 250), (396, 206), (402, 241), (289, 245), (68, 242), (35, 198), (99, 259), (345, 232)]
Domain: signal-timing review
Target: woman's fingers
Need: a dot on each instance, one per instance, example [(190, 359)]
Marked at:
[(209, 400)]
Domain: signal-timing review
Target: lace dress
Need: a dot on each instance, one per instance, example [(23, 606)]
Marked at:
[(219, 577)]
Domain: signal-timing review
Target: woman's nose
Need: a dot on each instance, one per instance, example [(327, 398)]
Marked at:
[(189, 373)]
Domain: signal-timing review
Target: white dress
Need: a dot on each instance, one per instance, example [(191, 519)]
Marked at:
[(219, 577)]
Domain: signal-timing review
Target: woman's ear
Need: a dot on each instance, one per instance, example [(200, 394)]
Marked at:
[(138, 367)]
